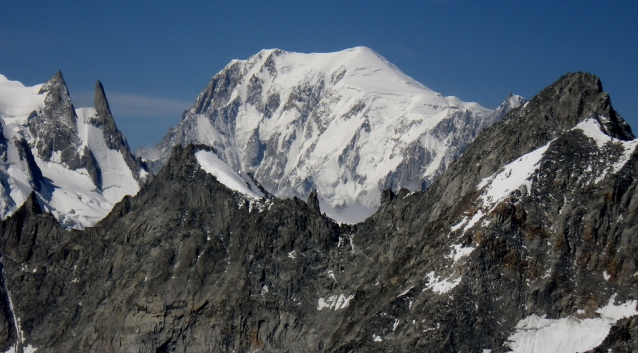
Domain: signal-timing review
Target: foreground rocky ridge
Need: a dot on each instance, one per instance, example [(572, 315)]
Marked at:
[(536, 221)]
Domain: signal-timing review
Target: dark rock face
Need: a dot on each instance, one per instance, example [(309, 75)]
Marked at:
[(112, 135), (188, 265), (199, 260)]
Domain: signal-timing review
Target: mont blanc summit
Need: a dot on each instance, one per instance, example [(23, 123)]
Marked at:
[(348, 124)]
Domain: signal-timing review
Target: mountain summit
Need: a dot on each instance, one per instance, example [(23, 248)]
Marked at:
[(348, 124)]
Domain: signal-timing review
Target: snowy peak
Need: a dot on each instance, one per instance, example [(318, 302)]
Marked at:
[(512, 101), (508, 154), (58, 107), (360, 69), (348, 124), (76, 160)]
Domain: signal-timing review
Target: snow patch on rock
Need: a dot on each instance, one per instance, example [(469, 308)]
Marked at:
[(334, 302), (212, 165), (441, 285), (458, 252), (500, 185), (591, 128), (536, 334)]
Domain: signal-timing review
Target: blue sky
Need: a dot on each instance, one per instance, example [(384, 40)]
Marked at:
[(155, 57)]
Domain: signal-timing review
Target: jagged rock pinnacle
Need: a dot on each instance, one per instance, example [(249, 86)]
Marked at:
[(313, 201), (114, 139)]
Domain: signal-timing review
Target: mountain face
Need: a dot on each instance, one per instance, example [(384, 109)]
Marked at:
[(526, 243), (76, 160), (348, 124)]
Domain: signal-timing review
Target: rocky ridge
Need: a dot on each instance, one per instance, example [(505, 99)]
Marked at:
[(531, 232)]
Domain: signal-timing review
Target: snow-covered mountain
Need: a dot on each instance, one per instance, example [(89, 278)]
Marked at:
[(76, 160), (348, 124)]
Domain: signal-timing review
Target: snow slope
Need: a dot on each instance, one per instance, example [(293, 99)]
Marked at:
[(210, 163), (348, 124), (16, 100)]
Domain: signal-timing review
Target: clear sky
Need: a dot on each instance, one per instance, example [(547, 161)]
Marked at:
[(154, 57)]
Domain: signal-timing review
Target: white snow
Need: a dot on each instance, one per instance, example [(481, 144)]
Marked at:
[(75, 201), (334, 302), (18, 101), (592, 129), (615, 312), (211, 164), (458, 252), (566, 335), (539, 335), (475, 218), (441, 285), (117, 178), (377, 338), (514, 175), (405, 292), (28, 349), (500, 185), (458, 226)]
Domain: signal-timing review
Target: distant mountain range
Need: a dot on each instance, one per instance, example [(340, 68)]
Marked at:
[(496, 231)]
